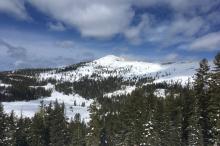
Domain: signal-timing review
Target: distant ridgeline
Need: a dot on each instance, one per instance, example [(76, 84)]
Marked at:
[(22, 85), (90, 79), (164, 108), (25, 84)]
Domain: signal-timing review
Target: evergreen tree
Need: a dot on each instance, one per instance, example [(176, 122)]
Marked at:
[(173, 112), (161, 124), (58, 127), (21, 134), (47, 121), (77, 131), (188, 102), (215, 98), (2, 125), (94, 125), (38, 130), (203, 101), (195, 131), (11, 128)]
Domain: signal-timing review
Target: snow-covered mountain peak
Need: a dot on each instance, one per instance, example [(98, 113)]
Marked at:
[(114, 66), (113, 62), (109, 59)]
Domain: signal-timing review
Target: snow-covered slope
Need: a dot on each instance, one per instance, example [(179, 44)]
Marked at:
[(116, 66), (98, 70), (104, 67), (179, 71), (73, 104)]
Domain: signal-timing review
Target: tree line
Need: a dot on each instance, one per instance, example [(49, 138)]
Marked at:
[(48, 127)]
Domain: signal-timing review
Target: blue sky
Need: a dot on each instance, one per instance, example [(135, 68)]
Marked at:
[(48, 33)]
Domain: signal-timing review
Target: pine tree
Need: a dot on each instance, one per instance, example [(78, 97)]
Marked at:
[(161, 124), (215, 98), (77, 131), (187, 111), (47, 121), (94, 125), (149, 121), (38, 130), (131, 120), (173, 112), (58, 127), (21, 133), (203, 101), (2, 125), (195, 131), (11, 128)]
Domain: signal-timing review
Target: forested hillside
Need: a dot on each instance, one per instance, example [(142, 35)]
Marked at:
[(155, 113)]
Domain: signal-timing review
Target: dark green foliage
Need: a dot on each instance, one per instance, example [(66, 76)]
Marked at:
[(21, 87), (58, 126), (31, 71), (89, 88), (215, 98), (20, 92), (71, 67), (47, 128), (22, 133), (188, 102), (188, 115), (38, 130), (2, 125), (203, 101), (78, 131)]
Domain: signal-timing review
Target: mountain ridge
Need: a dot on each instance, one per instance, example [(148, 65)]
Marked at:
[(79, 84), (112, 65)]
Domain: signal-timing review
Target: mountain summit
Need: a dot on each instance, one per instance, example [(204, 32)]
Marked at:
[(114, 66)]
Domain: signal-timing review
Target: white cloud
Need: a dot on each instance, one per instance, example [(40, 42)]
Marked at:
[(208, 42), (186, 27), (99, 18), (107, 18), (180, 6), (56, 26), (133, 33), (192, 7), (66, 44), (42, 50), (171, 57), (14, 51), (121, 49), (179, 30), (14, 7)]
